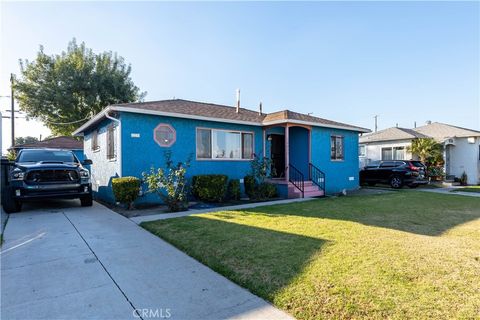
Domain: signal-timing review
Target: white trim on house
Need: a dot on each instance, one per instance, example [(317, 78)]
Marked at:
[(211, 144), (97, 117), (316, 124), (100, 115), (118, 154)]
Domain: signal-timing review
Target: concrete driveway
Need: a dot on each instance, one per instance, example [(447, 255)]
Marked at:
[(62, 261)]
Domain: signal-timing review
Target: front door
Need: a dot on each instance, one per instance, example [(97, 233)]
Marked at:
[(278, 155)]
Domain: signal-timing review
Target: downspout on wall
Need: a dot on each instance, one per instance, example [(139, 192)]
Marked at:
[(119, 152)]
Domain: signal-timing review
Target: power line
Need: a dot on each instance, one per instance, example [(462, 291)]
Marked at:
[(65, 123)]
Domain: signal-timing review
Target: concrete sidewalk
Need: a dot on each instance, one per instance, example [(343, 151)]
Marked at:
[(91, 263), (162, 216), (449, 191)]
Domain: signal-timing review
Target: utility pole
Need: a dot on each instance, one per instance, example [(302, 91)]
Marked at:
[(12, 111), (376, 117)]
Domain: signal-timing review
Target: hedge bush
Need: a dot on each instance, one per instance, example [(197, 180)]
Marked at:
[(126, 189), (267, 190), (210, 187), (258, 191), (249, 183), (234, 189)]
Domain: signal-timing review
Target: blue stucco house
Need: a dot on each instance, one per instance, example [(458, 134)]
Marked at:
[(311, 156)]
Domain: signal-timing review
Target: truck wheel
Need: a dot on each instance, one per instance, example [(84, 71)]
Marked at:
[(396, 182), (87, 201), (10, 205)]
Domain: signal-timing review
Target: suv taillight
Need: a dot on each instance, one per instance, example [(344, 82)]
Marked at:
[(412, 167)]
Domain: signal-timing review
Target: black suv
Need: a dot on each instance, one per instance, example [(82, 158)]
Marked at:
[(396, 173), (45, 174)]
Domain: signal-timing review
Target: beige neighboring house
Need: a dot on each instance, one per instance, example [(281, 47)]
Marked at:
[(461, 147)]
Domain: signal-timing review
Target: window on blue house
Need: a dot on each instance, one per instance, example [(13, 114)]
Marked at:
[(336, 148), (95, 145), (224, 144), (111, 147), (204, 144)]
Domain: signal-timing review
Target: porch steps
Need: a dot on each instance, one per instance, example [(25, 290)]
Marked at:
[(311, 190)]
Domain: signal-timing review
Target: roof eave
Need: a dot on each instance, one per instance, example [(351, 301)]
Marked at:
[(79, 132), (316, 124), (182, 115), (99, 116)]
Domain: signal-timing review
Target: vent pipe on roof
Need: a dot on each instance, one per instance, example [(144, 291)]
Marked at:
[(238, 101), (415, 124), (260, 111)]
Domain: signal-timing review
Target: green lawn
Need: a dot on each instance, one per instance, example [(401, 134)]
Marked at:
[(397, 255), (468, 189)]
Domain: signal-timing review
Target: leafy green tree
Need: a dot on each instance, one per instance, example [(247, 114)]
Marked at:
[(427, 150), (65, 90), (27, 139)]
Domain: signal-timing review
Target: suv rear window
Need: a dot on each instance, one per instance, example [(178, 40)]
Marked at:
[(373, 164), (417, 164), (388, 164), (46, 155)]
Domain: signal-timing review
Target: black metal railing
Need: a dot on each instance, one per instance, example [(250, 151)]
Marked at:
[(297, 179), (317, 177)]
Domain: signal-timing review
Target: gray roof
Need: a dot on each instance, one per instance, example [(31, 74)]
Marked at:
[(394, 133), (62, 142), (216, 112), (441, 131), (436, 130)]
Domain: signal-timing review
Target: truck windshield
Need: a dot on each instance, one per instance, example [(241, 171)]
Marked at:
[(46, 155)]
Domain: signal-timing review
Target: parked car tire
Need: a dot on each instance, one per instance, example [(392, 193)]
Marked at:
[(87, 201), (396, 182), (413, 186), (10, 205)]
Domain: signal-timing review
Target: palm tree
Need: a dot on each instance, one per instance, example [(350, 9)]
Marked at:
[(427, 149)]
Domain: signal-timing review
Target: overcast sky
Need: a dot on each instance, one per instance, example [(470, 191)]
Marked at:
[(406, 62)]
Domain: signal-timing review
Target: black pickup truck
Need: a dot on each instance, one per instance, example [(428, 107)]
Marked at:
[(38, 174)]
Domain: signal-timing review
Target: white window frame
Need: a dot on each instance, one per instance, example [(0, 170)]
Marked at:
[(364, 154), (211, 144), (95, 146), (391, 149), (111, 157), (343, 148)]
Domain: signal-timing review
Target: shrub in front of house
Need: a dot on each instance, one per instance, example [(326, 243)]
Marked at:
[(463, 179), (267, 190), (210, 187), (249, 183), (170, 183), (234, 189), (259, 191), (125, 190)]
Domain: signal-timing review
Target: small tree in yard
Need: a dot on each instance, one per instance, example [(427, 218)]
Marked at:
[(255, 185), (170, 183), (427, 150), (261, 169)]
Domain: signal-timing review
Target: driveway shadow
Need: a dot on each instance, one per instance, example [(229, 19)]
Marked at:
[(262, 260), (50, 204), (415, 212)]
